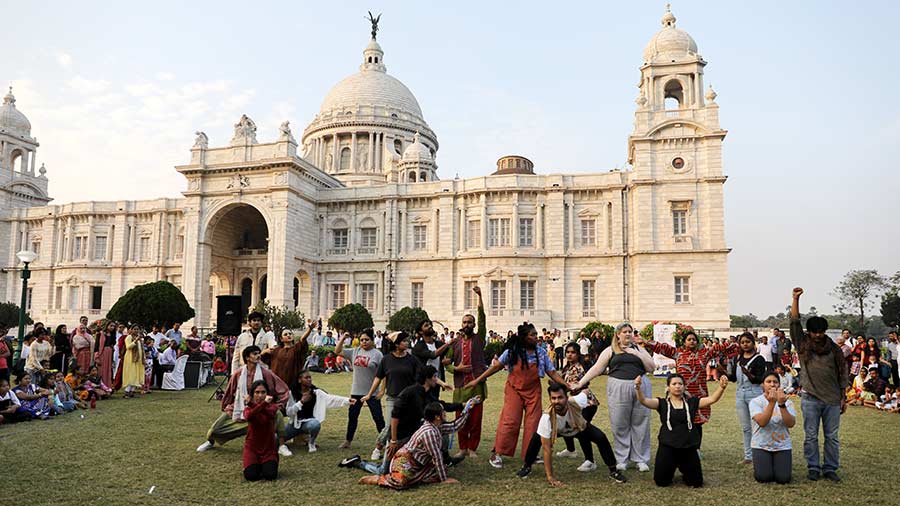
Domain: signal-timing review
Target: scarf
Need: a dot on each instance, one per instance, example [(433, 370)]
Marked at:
[(578, 420), (687, 412), (238, 413)]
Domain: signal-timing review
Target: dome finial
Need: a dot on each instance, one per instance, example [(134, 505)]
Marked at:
[(374, 20), (10, 98), (668, 18)]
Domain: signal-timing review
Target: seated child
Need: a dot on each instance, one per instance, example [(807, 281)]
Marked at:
[(11, 410), (65, 396), (888, 401), (94, 383), (785, 379)]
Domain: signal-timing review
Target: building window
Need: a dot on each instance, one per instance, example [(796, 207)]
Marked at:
[(473, 235), (341, 238), (57, 303), (28, 298), (682, 289), (679, 222), (526, 232), (79, 250), (420, 237), (526, 294), (368, 239), (587, 298), (74, 303), (418, 294), (588, 228), (367, 295), (100, 247), (144, 249), (179, 246), (498, 232), (345, 160), (338, 295), (470, 299), (36, 247), (96, 297), (498, 295)]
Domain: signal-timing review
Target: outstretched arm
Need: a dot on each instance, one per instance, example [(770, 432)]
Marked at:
[(714, 398), (493, 369), (596, 370), (649, 403)]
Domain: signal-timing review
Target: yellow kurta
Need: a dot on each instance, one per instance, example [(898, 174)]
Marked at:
[(133, 363)]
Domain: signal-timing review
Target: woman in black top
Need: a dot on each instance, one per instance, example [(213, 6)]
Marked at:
[(60, 359), (679, 437)]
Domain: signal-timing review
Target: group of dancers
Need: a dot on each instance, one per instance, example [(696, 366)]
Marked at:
[(274, 404)]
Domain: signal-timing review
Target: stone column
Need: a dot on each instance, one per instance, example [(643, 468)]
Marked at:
[(402, 248), (336, 153), (70, 233), (484, 225), (370, 167), (514, 225), (436, 232), (323, 295), (539, 225), (353, 167), (463, 225), (90, 238), (351, 288)]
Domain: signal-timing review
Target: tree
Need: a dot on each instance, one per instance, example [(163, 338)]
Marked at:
[(352, 318), (855, 290), (158, 303), (407, 319), (745, 321), (890, 309), (280, 317), (606, 331), (9, 316)]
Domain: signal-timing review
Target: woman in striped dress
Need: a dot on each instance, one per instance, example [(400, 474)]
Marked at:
[(690, 363)]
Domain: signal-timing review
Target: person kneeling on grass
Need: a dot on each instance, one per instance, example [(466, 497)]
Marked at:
[(306, 411), (679, 436), (260, 459), (772, 415), (420, 460), (564, 418)]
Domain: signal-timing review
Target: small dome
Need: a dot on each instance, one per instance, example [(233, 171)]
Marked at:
[(670, 43), (11, 119), (417, 151), (514, 164)]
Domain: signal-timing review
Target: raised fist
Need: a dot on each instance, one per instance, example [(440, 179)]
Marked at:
[(798, 292)]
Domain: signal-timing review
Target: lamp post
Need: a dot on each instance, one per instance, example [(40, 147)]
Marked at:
[(25, 257)]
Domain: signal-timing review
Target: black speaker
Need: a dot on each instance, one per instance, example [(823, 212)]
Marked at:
[(192, 375), (228, 315)]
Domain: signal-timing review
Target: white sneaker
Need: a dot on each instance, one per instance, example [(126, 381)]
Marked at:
[(642, 467), (284, 451), (205, 446), (587, 466), (376, 455), (621, 467), (539, 460), (496, 461), (313, 448), (567, 454)]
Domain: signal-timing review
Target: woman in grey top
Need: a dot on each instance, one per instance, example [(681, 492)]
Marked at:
[(630, 421), (365, 360)]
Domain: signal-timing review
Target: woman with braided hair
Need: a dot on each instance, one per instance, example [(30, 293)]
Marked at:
[(526, 363)]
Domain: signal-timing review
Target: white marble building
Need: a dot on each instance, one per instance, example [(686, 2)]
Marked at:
[(356, 212)]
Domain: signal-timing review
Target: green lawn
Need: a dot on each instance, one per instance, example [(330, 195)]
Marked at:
[(115, 454)]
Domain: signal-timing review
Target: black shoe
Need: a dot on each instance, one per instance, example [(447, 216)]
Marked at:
[(350, 461), (617, 476), (455, 461), (524, 472), (832, 476), (812, 475)]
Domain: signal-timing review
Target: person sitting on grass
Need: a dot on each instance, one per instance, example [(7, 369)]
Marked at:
[(11, 410), (564, 418), (35, 401), (888, 401), (785, 379), (772, 415), (420, 460), (260, 459), (65, 396), (330, 365), (312, 362), (306, 411), (679, 436), (94, 383), (873, 387)]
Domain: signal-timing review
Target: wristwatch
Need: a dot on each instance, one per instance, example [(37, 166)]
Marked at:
[(782, 405)]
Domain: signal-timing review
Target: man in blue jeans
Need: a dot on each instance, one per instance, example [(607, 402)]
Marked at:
[(823, 376)]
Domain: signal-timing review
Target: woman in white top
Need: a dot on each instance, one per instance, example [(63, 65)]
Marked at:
[(772, 415)]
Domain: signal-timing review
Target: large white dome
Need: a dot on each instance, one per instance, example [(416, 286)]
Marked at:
[(11, 119), (371, 88), (670, 44)]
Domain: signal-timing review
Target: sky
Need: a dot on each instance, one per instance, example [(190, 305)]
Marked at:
[(807, 90)]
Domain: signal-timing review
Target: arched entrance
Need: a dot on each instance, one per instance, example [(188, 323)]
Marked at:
[(237, 236)]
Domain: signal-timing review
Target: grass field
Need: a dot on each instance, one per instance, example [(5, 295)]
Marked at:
[(115, 454)]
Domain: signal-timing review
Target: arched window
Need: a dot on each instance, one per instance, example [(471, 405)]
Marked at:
[(398, 146), (263, 287), (296, 292), (412, 176), (376, 59), (246, 296), (674, 95), (345, 160), (423, 176), (17, 161)]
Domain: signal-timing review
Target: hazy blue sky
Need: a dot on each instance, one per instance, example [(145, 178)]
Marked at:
[(808, 92)]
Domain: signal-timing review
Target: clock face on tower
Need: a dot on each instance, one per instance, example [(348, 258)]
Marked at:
[(678, 163)]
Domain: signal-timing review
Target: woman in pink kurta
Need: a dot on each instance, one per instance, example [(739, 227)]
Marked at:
[(82, 343), (103, 352)]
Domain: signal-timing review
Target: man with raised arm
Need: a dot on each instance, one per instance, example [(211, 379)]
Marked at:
[(823, 374), (467, 362)]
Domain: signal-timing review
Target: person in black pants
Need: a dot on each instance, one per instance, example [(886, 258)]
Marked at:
[(564, 418), (679, 437)]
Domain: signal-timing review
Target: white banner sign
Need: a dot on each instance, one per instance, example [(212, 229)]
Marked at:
[(664, 333)]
